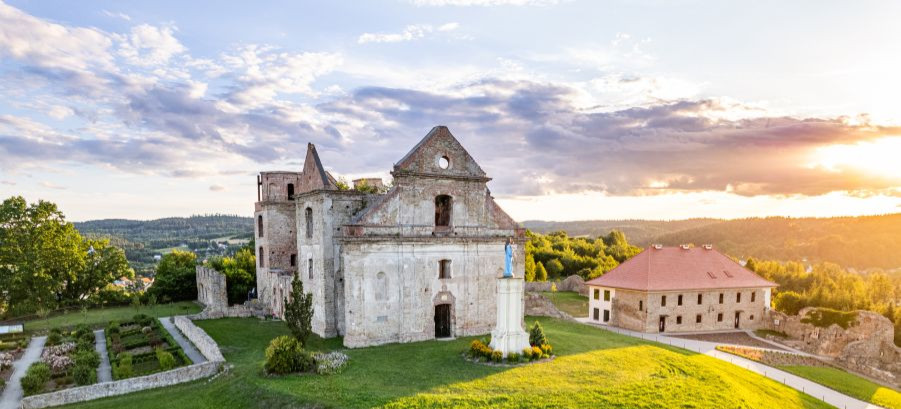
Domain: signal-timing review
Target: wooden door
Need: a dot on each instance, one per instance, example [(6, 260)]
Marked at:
[(442, 321)]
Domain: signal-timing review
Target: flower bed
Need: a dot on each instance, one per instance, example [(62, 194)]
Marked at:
[(480, 351), (68, 360), (142, 347)]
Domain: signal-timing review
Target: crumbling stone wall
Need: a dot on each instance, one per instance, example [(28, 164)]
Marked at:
[(538, 305), (867, 346), (211, 289)]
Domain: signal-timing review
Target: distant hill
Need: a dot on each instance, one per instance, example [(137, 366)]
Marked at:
[(142, 239), (860, 242)]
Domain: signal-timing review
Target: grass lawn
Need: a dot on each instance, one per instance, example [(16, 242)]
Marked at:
[(99, 317), (849, 384), (569, 302), (594, 368)]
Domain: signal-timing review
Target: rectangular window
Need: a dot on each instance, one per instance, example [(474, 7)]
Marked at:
[(310, 267), (738, 297), (753, 295), (663, 301), (606, 295), (640, 305), (678, 319), (596, 314), (699, 299), (719, 317), (698, 319), (597, 294), (680, 300), (293, 260), (721, 298), (444, 269), (606, 315)]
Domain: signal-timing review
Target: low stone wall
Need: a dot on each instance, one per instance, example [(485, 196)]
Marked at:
[(252, 308), (197, 336), (537, 305)]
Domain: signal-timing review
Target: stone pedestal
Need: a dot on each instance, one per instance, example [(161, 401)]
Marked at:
[(508, 336)]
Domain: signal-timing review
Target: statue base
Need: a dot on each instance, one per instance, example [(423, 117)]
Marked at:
[(508, 336)]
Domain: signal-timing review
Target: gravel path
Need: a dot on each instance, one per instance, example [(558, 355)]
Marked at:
[(832, 397), (13, 394), (192, 352), (104, 371)]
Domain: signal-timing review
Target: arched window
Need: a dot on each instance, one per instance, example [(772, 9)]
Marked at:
[(381, 286), (260, 226), (309, 217), (290, 191), (261, 255), (443, 207)]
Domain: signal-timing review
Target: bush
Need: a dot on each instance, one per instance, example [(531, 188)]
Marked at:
[(286, 355), (83, 329), (89, 358), (83, 345), (547, 349), (527, 354), (536, 335), (35, 378), (479, 349), (113, 328), (536, 353), (56, 330), (513, 357), (497, 356), (166, 360), (87, 337), (142, 320), (124, 368), (55, 338), (84, 375)]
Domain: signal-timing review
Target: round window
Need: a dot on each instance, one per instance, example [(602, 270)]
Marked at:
[(443, 162)]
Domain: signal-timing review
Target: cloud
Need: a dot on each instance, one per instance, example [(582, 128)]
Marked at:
[(8, 182), (118, 15), (485, 2), (217, 188), (410, 33), (50, 185), (148, 45)]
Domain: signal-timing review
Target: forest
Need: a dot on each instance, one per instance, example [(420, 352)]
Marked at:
[(556, 255)]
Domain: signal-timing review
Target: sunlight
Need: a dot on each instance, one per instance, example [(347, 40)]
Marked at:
[(878, 157)]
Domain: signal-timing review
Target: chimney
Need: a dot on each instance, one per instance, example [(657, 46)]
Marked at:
[(685, 246), (658, 246), (708, 247)]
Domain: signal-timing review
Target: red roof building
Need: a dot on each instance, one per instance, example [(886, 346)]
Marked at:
[(680, 289)]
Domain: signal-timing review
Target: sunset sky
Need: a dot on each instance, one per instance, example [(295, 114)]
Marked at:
[(578, 109)]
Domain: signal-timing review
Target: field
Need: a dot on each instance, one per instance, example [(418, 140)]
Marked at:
[(99, 317), (849, 384), (569, 302), (593, 368)]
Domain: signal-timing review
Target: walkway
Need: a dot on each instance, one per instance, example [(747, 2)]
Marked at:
[(13, 394), (814, 389), (104, 371), (186, 345)]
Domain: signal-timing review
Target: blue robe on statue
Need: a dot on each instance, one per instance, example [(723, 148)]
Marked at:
[(508, 261)]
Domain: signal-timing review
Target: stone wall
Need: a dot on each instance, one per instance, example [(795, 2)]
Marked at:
[(211, 289), (867, 346), (201, 340), (573, 283), (538, 305)]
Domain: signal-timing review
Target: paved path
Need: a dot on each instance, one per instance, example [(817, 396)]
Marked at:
[(12, 395), (814, 389), (104, 371), (186, 345)]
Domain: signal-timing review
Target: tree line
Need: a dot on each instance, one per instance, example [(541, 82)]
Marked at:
[(556, 255)]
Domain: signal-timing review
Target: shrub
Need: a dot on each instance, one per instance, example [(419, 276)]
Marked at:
[(88, 358), (824, 317), (113, 328), (83, 345), (479, 349), (124, 368), (497, 356), (285, 355), (536, 353), (35, 378), (23, 343), (56, 330), (142, 320), (87, 337), (84, 375), (54, 338), (166, 360), (513, 357), (527, 354), (330, 363), (83, 329), (547, 349), (536, 335)]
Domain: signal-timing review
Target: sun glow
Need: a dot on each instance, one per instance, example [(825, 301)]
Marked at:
[(881, 157)]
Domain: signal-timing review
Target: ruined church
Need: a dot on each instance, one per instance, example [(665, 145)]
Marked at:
[(417, 262)]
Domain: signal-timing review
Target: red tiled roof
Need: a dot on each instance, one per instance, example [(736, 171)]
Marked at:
[(676, 268)]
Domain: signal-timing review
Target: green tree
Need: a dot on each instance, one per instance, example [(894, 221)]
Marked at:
[(240, 273), (176, 277), (530, 267), (540, 272), (299, 311), (554, 268), (789, 302)]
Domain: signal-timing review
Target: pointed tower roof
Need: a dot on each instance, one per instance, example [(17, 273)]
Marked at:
[(314, 176), (440, 154)]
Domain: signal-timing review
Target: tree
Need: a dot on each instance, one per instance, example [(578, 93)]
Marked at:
[(176, 277), (239, 272), (299, 311), (540, 272), (554, 268), (530, 268), (789, 302)]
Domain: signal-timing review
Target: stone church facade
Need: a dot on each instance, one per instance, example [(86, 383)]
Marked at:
[(415, 263)]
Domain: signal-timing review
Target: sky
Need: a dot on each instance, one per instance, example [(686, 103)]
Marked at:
[(578, 110)]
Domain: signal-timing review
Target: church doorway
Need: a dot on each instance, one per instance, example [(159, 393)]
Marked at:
[(442, 321)]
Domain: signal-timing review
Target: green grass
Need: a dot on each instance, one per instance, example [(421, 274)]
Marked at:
[(99, 317), (569, 302), (849, 384), (593, 368)]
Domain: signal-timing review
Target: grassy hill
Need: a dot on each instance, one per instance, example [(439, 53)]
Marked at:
[(594, 368), (860, 242)]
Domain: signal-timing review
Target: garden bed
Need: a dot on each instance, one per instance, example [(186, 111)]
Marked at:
[(68, 359), (142, 347)]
